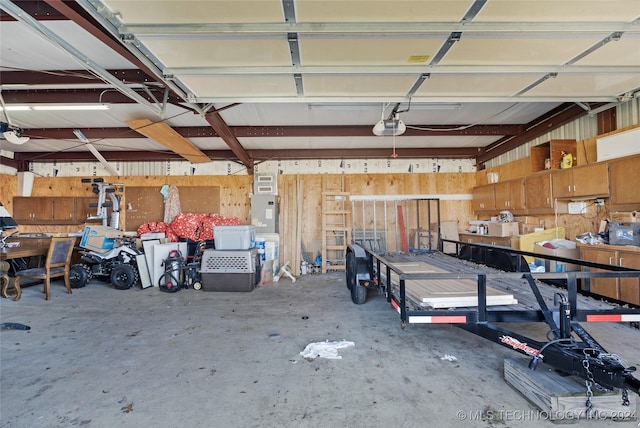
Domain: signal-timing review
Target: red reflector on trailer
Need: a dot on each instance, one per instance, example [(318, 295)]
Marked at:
[(395, 305), (613, 318)]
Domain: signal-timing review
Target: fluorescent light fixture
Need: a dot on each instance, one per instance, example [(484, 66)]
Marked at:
[(69, 107), (362, 106), (437, 106), (16, 108), (56, 107)]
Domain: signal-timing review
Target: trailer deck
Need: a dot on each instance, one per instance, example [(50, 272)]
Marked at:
[(505, 286)]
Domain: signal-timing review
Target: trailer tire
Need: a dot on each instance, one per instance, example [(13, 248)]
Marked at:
[(358, 293), (351, 270)]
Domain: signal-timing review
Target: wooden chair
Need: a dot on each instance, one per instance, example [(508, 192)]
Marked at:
[(4, 277), (57, 265)]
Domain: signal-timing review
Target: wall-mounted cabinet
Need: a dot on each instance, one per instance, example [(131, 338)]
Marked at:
[(484, 198), (624, 176), (506, 195), (509, 195), (582, 182), (538, 196), (51, 209)]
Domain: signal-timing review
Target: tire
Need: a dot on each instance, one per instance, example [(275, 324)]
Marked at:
[(124, 277), (351, 271), (197, 285), (79, 275)]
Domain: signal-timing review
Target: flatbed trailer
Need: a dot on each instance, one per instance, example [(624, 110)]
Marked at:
[(569, 348)]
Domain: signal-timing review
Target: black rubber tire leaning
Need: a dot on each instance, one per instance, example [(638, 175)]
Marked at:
[(79, 275), (351, 269), (124, 277)]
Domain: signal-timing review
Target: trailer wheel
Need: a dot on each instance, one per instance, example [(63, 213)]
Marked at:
[(123, 277), (79, 275), (351, 269), (358, 293)]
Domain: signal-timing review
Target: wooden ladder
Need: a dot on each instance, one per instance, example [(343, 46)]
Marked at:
[(336, 229)]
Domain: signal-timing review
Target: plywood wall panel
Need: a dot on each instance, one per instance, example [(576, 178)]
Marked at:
[(508, 171)]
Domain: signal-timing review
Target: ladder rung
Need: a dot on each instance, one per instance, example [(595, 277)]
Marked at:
[(336, 247)]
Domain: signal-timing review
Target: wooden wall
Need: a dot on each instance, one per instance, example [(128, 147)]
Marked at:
[(300, 198)]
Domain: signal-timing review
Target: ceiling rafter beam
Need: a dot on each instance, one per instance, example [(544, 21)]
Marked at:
[(279, 131), (69, 77), (222, 129), (263, 155), (79, 96), (413, 28), (38, 10)]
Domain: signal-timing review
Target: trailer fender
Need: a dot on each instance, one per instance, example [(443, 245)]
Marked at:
[(361, 267)]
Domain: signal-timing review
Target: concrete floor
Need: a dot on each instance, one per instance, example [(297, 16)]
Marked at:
[(141, 358)]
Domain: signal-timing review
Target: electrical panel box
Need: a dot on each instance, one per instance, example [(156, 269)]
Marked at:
[(265, 184), (264, 213)]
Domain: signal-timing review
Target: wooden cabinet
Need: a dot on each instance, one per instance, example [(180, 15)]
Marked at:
[(506, 195), (538, 196), (503, 241), (623, 289), (624, 176), (31, 210), (551, 150), (51, 209), (83, 210), (588, 181), (484, 198), (64, 209), (509, 195), (629, 287)]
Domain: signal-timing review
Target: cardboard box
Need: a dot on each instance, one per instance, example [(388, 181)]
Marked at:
[(625, 217), (99, 238), (503, 229), (555, 266)]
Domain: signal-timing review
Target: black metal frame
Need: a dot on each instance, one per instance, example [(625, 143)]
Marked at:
[(585, 358)]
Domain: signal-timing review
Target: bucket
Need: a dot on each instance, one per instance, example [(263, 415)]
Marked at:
[(260, 246)]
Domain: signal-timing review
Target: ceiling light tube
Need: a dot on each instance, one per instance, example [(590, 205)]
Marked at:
[(53, 107), (16, 108)]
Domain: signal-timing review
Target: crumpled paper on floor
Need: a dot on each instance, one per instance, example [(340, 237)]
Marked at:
[(326, 349)]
